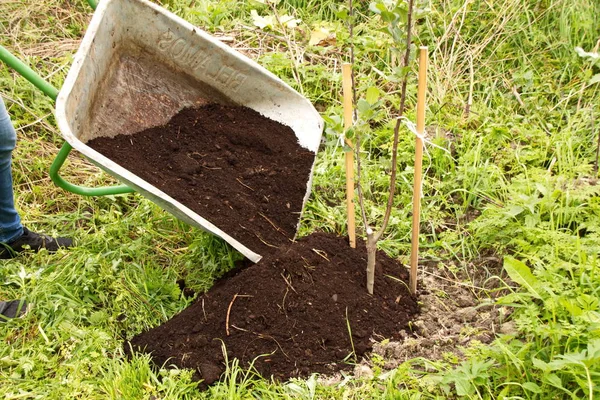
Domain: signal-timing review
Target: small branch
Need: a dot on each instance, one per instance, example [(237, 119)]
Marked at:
[(518, 96), (371, 260), (390, 203), (361, 196), (471, 84), (278, 229), (235, 296), (321, 253), (243, 184), (287, 282)]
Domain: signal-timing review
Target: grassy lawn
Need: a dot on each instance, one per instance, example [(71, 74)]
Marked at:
[(514, 180)]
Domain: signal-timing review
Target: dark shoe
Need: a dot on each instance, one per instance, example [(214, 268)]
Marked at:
[(12, 309), (33, 241)]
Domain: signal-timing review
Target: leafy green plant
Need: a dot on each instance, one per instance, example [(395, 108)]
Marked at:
[(393, 17)]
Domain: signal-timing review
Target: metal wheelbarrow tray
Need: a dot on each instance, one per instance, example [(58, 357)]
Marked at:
[(138, 65)]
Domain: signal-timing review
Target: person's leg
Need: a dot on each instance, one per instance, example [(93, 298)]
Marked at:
[(14, 238), (10, 223)]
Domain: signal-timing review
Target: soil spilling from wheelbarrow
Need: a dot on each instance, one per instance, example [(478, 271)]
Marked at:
[(243, 172), (301, 309)]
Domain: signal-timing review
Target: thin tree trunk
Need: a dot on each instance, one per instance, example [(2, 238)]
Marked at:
[(371, 258)]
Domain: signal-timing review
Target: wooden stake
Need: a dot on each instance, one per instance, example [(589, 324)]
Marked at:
[(414, 253), (349, 156)]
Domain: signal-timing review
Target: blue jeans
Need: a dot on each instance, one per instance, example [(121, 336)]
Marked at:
[(10, 223)]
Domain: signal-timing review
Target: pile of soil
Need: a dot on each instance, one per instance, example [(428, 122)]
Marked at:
[(241, 171), (301, 309)]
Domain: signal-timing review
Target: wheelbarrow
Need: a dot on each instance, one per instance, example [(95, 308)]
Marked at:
[(136, 67)]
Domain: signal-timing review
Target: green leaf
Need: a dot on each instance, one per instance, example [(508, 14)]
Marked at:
[(512, 299), (532, 387), (539, 364), (514, 210), (521, 274), (553, 380), (342, 14), (558, 364), (587, 302), (350, 133), (388, 17), (463, 387), (363, 106), (594, 349), (372, 95), (570, 306), (542, 189), (377, 7)]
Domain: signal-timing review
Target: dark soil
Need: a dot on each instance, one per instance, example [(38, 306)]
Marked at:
[(292, 313), (241, 171)]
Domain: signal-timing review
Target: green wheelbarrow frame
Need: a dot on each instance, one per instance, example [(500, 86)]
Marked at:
[(52, 92)]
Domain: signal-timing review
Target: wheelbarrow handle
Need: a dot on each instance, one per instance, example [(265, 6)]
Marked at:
[(52, 92), (28, 73)]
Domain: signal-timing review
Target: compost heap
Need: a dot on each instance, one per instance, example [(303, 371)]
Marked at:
[(243, 172), (304, 307)]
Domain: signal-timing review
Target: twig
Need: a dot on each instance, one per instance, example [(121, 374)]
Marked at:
[(288, 283), (390, 204), (265, 242), (257, 235), (377, 235), (235, 296), (321, 253), (278, 229), (287, 290), (471, 84), (243, 184), (518, 96)]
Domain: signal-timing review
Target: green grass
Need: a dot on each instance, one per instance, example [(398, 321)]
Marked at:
[(523, 158)]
